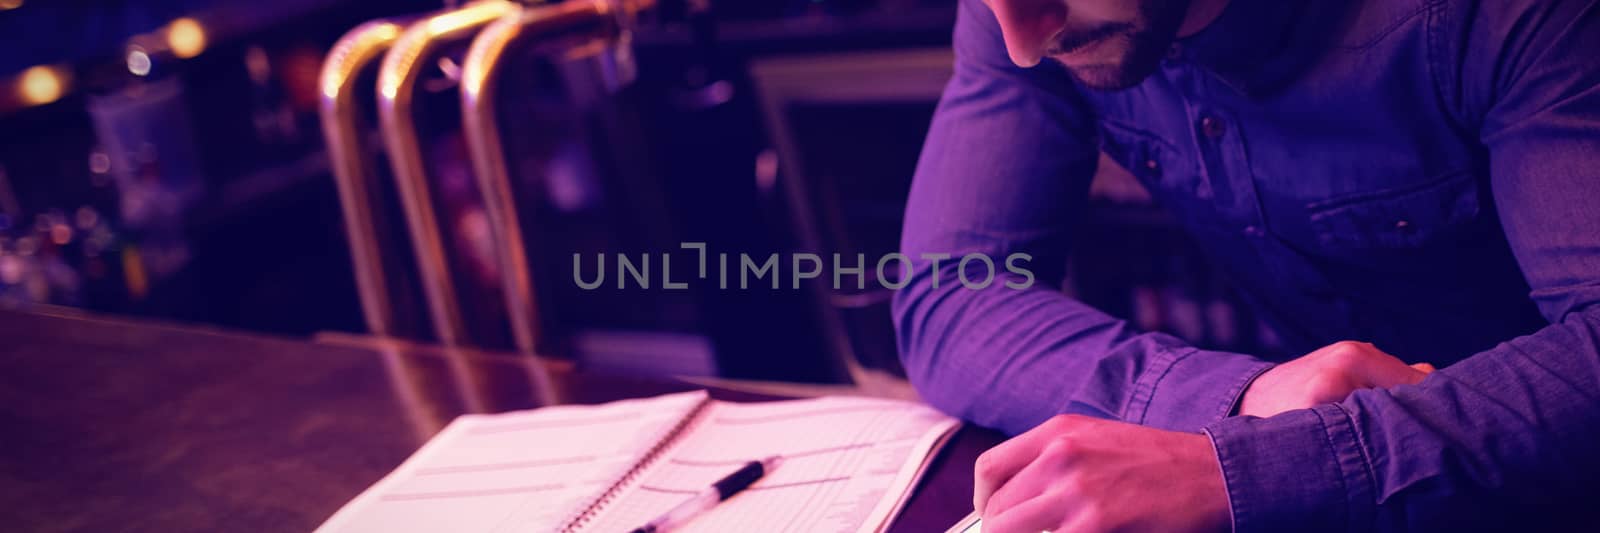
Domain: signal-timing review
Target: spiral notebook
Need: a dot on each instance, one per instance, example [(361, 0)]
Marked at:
[(849, 465)]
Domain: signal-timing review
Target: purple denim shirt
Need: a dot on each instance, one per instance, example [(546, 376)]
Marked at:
[(1420, 174)]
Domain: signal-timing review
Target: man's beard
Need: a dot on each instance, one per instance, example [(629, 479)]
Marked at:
[(1144, 43)]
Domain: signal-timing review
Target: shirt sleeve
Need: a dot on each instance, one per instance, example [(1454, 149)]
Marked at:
[(1508, 439), (1006, 166)]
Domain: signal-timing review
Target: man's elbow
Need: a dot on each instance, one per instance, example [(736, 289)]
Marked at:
[(920, 336), (909, 307)]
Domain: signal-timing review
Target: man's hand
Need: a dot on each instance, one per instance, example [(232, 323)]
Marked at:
[(1327, 375), (1075, 473)]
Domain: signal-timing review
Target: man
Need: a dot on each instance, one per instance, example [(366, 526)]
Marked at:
[(1422, 175)]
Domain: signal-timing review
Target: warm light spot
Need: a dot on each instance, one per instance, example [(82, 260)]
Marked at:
[(133, 273), (6, 5), (186, 38), (467, 17), (61, 234), (449, 22), (39, 85), (383, 32), (389, 86)]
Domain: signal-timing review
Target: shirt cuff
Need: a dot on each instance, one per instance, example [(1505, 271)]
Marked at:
[(1301, 470), (1184, 389)]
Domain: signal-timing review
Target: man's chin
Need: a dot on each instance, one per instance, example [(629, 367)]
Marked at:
[(1107, 77), (1119, 68)]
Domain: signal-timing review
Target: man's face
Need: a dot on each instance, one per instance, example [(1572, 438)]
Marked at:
[(1106, 44)]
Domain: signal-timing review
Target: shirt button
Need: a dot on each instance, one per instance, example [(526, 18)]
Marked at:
[(1153, 166), (1212, 127), (1253, 231)]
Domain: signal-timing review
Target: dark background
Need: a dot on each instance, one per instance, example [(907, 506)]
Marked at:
[(200, 191)]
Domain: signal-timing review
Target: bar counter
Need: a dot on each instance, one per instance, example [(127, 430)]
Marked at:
[(109, 423)]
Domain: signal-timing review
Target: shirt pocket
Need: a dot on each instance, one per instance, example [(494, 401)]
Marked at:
[(1157, 164), (1397, 221)]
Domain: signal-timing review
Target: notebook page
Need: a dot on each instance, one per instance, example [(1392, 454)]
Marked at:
[(848, 465), (525, 471)]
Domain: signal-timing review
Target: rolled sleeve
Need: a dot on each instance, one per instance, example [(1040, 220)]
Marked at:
[(1304, 470), (1186, 388)]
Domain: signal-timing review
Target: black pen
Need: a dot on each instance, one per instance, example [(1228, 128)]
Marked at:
[(711, 496)]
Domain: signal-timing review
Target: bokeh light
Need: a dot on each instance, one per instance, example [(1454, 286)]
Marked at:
[(40, 85), (186, 38)]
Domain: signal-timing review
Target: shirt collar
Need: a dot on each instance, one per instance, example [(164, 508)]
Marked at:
[(1259, 46)]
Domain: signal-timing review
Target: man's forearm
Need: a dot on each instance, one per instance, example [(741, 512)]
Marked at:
[(1505, 438), (1010, 359)]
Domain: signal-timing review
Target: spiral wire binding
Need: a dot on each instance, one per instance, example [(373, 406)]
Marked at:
[(593, 509)]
